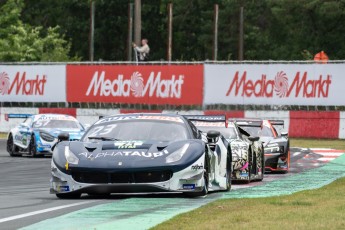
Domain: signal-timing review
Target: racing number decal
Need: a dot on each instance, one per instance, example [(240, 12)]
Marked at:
[(106, 129), (41, 123)]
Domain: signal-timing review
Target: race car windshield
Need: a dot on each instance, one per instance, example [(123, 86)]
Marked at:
[(61, 124), (139, 130), (228, 133), (258, 131)]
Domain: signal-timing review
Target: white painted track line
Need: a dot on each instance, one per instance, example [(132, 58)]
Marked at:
[(42, 211)]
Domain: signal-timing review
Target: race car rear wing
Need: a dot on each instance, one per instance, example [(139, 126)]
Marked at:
[(246, 122), (16, 115), (206, 118), (277, 122)]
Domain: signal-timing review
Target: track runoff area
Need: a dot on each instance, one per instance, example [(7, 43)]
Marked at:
[(26, 203)]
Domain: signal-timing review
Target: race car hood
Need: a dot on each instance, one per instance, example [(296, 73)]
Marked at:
[(130, 156)]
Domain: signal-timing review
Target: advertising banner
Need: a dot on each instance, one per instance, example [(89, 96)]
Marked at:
[(135, 84), (274, 84), (32, 83)]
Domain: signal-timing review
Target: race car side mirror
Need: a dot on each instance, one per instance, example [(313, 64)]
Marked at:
[(284, 134), (253, 138), (213, 136), (63, 137)]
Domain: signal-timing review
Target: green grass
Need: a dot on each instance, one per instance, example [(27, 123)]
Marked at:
[(318, 143), (3, 135), (322, 208)]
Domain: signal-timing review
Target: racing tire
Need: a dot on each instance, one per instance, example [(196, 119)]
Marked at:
[(228, 172), (11, 148), (32, 146), (250, 165), (262, 166), (68, 195)]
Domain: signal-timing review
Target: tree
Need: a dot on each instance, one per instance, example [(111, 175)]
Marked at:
[(22, 42), (273, 30)]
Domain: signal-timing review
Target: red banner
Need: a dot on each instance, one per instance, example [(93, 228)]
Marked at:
[(132, 84)]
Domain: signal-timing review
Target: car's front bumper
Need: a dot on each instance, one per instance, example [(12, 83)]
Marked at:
[(189, 179)]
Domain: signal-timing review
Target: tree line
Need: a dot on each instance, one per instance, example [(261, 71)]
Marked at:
[(51, 30)]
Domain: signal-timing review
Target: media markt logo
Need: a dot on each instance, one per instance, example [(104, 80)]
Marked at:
[(21, 85), (301, 86), (4, 83), (281, 84), (100, 85)]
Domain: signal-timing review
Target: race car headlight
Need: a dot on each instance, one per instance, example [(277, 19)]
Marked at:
[(70, 157), (177, 155), (47, 137)]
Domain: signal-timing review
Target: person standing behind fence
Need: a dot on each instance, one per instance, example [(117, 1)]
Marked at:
[(143, 51)]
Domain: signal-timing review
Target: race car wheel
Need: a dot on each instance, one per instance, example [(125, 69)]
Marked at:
[(68, 195), (250, 165), (32, 146), (11, 148), (228, 171), (262, 166)]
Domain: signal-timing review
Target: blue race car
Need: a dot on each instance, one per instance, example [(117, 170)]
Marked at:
[(38, 133)]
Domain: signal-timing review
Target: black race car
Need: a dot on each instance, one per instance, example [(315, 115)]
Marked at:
[(247, 152), (140, 153), (277, 146)]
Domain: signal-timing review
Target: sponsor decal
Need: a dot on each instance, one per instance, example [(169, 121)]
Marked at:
[(22, 85), (128, 153), (161, 118), (54, 117), (197, 167), (209, 124), (135, 84), (243, 174), (301, 85), (102, 86), (18, 137), (22, 138), (39, 145), (138, 117), (128, 144), (63, 188), (188, 186)]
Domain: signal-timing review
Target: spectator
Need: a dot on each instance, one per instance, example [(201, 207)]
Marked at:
[(143, 51)]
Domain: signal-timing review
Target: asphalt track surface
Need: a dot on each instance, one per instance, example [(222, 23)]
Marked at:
[(25, 198)]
